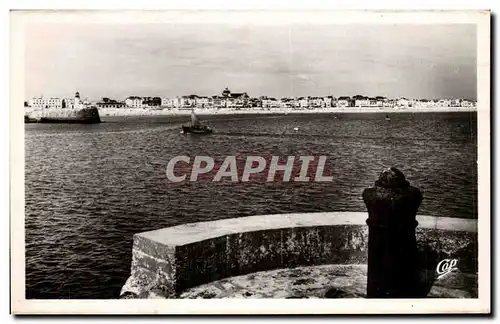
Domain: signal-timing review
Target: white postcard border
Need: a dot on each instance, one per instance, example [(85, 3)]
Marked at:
[(233, 306)]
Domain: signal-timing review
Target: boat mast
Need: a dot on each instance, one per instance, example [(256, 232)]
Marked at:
[(194, 119)]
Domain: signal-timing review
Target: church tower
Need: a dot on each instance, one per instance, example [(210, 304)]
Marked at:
[(226, 92)]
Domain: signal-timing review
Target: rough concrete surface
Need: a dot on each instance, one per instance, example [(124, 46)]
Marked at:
[(167, 262), (326, 281)]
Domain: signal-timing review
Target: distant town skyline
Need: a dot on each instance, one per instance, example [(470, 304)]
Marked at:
[(170, 60)]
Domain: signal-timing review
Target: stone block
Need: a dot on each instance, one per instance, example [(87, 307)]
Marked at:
[(168, 261), (254, 251), (201, 262)]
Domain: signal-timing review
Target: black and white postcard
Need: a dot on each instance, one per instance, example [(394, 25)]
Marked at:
[(164, 160)]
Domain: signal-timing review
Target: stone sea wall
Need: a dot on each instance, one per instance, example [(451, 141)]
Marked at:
[(53, 115), (168, 261)]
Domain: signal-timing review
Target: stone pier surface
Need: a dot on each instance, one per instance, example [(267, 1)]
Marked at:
[(325, 281), (172, 262)]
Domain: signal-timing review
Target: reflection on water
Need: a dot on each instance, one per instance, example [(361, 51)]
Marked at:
[(89, 188)]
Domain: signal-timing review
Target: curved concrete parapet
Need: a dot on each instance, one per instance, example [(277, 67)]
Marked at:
[(167, 261)]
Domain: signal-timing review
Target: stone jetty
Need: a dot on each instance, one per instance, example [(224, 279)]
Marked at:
[(87, 115), (177, 261), (389, 252)]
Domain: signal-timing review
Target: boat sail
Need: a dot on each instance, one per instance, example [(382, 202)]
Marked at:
[(194, 119), (196, 127)]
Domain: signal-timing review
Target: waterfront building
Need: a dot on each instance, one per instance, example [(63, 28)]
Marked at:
[(387, 103), (316, 102), (421, 103), (188, 101), (234, 99), (68, 103), (381, 101), (283, 102), (444, 103), (270, 103), (167, 102), (255, 102), (203, 102), (403, 102), (110, 103), (41, 102), (228, 99), (229, 102), (373, 102), (456, 102), (226, 103), (151, 102), (134, 102), (217, 101), (292, 102), (467, 103), (287, 103), (36, 102), (303, 102), (343, 102), (361, 101), (54, 102), (177, 102), (327, 101)]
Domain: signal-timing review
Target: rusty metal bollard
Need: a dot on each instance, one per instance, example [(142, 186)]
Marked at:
[(392, 249)]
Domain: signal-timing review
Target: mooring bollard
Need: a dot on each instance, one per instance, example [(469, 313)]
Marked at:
[(392, 249)]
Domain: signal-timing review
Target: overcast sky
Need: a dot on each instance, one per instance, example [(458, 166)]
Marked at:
[(168, 60)]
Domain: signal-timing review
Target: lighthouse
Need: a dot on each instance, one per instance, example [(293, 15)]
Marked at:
[(77, 100)]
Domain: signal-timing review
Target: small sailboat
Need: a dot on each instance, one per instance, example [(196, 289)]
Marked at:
[(196, 127), (387, 117)]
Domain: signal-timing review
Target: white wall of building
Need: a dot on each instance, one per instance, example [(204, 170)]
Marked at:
[(134, 102)]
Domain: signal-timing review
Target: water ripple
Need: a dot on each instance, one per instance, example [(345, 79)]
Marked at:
[(89, 188)]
